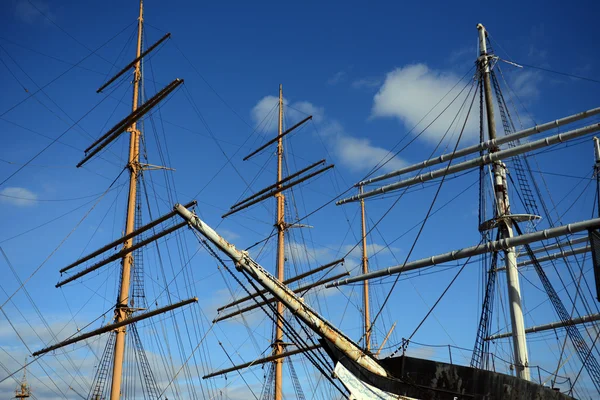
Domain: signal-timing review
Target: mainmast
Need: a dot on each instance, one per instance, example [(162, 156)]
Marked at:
[(365, 265), (122, 310), (280, 224), (503, 217)]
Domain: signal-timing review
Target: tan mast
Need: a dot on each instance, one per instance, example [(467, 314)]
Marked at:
[(23, 391), (122, 308), (365, 264), (278, 345)]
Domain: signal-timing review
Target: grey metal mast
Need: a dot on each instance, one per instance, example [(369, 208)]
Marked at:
[(504, 220)]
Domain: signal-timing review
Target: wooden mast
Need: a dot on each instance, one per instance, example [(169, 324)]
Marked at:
[(23, 390), (122, 307), (365, 265), (278, 345)]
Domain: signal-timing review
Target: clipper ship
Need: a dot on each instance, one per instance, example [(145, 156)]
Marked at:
[(353, 370)]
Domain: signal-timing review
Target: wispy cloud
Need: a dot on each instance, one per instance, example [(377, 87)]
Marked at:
[(409, 93), (338, 77), (357, 154), (366, 83), (525, 83), (18, 196)]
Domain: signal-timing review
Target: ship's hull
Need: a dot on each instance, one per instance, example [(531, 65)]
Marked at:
[(428, 380)]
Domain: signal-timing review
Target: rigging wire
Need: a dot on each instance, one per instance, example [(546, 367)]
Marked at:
[(429, 210), (318, 361), (65, 72), (382, 163), (63, 241), (53, 141), (64, 31)]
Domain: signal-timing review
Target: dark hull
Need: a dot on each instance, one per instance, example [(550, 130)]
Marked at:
[(426, 379)]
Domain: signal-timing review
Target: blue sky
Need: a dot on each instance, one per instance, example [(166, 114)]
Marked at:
[(366, 72)]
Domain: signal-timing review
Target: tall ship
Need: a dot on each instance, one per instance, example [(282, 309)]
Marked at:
[(209, 268)]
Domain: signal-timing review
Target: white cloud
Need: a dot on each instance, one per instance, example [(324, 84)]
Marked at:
[(358, 154), (355, 153), (301, 109), (410, 92), (265, 113), (18, 196)]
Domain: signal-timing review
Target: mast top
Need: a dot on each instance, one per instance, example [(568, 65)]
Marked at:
[(141, 17), (480, 27)]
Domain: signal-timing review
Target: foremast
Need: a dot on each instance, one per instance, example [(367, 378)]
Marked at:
[(122, 310)]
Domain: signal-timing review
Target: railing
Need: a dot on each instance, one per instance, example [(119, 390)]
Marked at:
[(445, 354)]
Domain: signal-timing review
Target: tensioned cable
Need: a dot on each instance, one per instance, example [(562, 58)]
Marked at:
[(428, 211), (439, 299), (53, 141), (63, 241), (272, 315), (41, 355), (57, 115), (65, 72), (67, 33), (352, 187), (378, 167), (50, 56)]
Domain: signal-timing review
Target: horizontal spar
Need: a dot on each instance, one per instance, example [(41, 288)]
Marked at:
[(294, 304), (126, 237), (131, 64), (553, 256), (566, 243), (276, 138), (286, 282), (272, 300), (121, 253), (116, 325), (489, 247), (262, 361), (281, 182), (277, 190), (485, 145), (126, 122), (553, 325), (476, 162)]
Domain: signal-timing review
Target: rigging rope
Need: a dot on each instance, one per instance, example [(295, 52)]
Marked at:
[(428, 211)]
